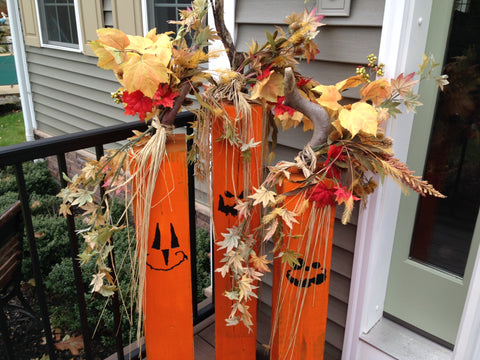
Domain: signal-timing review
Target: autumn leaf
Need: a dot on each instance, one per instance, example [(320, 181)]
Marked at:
[(231, 239), (270, 231), (351, 82), (137, 103), (288, 121), (114, 38), (245, 288), (65, 209), (74, 344), (411, 101), (287, 216), (330, 96), (145, 73), (260, 262), (269, 88), (361, 117), (322, 195), (263, 196), (403, 84), (343, 196), (106, 58), (377, 91), (97, 282), (165, 96), (290, 257)]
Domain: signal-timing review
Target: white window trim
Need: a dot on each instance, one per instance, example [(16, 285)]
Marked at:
[(404, 33), (60, 47)]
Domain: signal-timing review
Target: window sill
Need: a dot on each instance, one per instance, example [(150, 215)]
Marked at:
[(401, 343)]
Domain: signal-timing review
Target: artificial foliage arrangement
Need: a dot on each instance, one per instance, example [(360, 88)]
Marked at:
[(161, 73)]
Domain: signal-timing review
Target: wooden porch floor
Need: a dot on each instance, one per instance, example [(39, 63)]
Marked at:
[(204, 340)]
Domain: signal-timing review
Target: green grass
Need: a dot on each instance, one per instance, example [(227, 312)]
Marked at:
[(12, 129)]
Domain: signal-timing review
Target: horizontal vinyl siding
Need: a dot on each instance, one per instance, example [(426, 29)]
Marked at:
[(344, 43), (70, 93)]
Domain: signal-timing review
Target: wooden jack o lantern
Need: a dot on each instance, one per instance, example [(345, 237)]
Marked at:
[(168, 291), (229, 182), (300, 293)]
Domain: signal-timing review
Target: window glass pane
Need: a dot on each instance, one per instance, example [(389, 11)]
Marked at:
[(444, 227), (59, 23), (162, 15)]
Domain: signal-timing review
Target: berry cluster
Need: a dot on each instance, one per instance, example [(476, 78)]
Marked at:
[(117, 96), (372, 64)]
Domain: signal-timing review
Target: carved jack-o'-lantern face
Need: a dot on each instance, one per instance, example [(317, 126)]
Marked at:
[(165, 257), (227, 205), (305, 276)]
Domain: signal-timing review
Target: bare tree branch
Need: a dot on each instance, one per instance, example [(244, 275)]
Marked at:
[(315, 112), (222, 31)]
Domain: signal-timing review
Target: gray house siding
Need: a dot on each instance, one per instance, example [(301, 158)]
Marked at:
[(70, 93), (344, 43)]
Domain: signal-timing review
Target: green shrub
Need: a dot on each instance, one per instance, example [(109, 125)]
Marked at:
[(203, 262), (52, 243), (37, 179), (7, 199)]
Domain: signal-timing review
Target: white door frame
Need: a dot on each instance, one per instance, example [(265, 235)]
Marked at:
[(404, 36)]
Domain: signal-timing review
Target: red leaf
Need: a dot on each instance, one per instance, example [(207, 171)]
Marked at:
[(165, 96), (342, 195), (322, 195), (280, 108), (136, 102)]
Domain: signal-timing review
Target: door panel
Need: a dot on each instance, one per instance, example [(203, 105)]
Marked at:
[(436, 241)]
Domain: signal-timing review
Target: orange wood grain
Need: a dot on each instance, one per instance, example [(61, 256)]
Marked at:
[(300, 298), (168, 293), (232, 342)]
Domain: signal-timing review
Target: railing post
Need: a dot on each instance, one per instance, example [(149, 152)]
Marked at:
[(87, 339), (192, 225), (27, 216)]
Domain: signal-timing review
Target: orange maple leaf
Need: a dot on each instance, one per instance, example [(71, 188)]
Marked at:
[(377, 91), (351, 82)]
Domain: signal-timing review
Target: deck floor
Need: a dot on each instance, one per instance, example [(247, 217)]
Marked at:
[(204, 341)]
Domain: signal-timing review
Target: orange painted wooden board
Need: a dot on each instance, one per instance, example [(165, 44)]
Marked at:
[(300, 294), (168, 296), (232, 342)]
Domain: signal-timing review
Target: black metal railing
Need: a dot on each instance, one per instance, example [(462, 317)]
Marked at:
[(58, 146)]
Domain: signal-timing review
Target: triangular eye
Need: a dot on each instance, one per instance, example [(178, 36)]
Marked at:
[(156, 240), (175, 243)]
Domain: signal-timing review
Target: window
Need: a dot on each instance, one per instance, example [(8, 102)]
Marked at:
[(160, 11), (58, 23)]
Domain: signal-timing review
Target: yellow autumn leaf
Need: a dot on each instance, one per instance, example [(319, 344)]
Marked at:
[(287, 121), (377, 91), (114, 38), (144, 73), (139, 43), (329, 98), (361, 117), (106, 57), (269, 89), (162, 47), (351, 82)]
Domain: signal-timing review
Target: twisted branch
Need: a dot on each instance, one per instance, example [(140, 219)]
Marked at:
[(315, 112)]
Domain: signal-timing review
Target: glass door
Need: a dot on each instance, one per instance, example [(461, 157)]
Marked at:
[(436, 240)]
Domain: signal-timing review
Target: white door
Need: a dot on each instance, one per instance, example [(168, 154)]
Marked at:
[(436, 240)]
